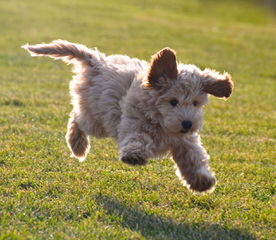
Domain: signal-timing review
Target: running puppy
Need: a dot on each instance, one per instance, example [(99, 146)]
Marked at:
[(151, 109)]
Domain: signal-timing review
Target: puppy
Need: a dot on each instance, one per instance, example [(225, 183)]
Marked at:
[(150, 109)]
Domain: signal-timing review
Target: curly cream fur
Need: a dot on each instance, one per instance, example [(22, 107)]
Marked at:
[(131, 100)]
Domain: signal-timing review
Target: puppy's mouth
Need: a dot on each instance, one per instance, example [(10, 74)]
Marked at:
[(184, 131)]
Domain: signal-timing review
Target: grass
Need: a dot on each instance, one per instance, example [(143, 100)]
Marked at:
[(45, 194)]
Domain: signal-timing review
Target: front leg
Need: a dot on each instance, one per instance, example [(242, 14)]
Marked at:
[(192, 165), (135, 144), (135, 148)]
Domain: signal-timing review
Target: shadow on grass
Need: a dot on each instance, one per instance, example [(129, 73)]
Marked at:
[(152, 226)]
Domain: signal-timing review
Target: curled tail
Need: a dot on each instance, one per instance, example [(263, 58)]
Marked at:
[(67, 51)]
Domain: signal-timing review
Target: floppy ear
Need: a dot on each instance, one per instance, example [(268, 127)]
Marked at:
[(219, 85), (163, 68)]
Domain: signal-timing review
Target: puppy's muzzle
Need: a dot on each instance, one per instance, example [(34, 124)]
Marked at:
[(186, 125)]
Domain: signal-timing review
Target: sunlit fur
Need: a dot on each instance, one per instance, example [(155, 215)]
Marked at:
[(130, 100)]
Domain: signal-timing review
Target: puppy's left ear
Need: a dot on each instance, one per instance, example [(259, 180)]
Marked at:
[(219, 85), (163, 69)]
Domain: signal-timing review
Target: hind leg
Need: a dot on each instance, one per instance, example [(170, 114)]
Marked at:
[(77, 140)]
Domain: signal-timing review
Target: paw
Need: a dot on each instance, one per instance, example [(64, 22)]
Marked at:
[(134, 159), (77, 141), (202, 181)]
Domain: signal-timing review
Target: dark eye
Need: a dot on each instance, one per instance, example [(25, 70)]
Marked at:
[(174, 102), (195, 103)]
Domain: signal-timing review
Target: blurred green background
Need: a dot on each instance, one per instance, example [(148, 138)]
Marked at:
[(45, 194)]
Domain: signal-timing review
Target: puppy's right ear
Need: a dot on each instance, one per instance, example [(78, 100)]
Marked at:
[(163, 69)]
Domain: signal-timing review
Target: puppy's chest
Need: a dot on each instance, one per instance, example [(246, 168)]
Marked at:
[(160, 140)]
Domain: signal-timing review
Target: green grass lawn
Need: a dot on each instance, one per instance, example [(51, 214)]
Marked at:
[(45, 194)]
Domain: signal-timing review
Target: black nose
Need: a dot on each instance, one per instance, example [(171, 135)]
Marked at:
[(187, 124)]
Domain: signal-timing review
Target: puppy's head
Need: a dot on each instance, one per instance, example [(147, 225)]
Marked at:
[(182, 90)]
